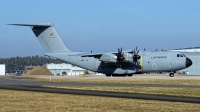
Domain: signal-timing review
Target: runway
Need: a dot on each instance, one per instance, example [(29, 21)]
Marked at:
[(15, 81), (102, 93), (14, 84)]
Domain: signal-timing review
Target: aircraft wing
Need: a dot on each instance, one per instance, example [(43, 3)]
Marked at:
[(95, 55), (98, 55)]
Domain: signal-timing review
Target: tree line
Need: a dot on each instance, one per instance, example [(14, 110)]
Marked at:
[(18, 63)]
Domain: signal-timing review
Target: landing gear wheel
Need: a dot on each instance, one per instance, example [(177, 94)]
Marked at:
[(129, 75), (114, 75), (108, 75), (171, 74), (123, 75), (118, 75)]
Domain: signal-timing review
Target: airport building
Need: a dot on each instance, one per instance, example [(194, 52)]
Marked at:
[(194, 54), (65, 69), (2, 69)]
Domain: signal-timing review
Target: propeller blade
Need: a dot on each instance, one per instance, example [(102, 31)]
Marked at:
[(137, 63), (136, 48), (137, 52), (120, 57), (135, 56)]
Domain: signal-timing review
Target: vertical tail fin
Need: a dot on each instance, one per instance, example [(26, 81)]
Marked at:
[(47, 36)]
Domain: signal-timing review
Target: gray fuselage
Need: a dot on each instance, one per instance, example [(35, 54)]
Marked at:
[(154, 61)]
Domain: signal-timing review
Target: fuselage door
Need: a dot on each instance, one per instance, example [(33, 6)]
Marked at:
[(98, 64)]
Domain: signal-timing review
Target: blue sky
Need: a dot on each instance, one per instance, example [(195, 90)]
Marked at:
[(101, 25)]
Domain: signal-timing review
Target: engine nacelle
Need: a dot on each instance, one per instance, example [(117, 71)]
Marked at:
[(128, 57), (108, 57)]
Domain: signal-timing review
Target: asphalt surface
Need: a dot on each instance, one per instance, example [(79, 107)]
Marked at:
[(15, 81), (16, 84)]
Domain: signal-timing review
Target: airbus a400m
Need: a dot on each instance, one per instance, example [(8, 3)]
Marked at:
[(112, 63)]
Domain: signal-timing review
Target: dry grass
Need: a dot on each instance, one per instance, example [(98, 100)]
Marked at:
[(41, 70), (192, 92), (36, 101), (126, 81)]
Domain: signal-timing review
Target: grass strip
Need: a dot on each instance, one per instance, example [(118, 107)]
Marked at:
[(126, 81), (12, 100)]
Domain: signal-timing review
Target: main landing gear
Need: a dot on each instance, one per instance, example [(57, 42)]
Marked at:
[(116, 75), (129, 75), (171, 74), (108, 75)]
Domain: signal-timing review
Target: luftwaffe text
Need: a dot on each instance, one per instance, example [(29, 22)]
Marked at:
[(159, 57)]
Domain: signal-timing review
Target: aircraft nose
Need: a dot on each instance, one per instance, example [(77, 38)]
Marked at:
[(188, 62)]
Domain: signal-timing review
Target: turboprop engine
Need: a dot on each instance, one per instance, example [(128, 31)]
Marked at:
[(131, 57), (112, 58), (128, 57), (121, 57), (108, 57)]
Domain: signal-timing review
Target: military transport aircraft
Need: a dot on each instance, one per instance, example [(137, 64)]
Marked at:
[(121, 63)]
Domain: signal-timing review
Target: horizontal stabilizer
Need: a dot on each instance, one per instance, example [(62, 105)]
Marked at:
[(33, 25)]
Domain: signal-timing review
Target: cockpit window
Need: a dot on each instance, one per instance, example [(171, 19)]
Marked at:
[(181, 55)]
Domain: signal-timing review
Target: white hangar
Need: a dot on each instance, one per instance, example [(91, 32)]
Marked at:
[(68, 69), (2, 69)]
